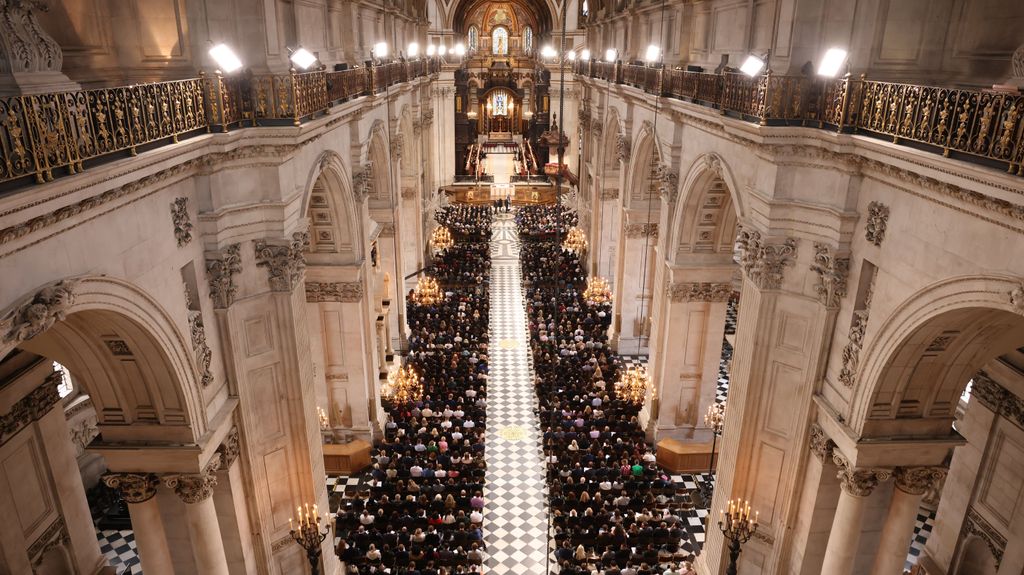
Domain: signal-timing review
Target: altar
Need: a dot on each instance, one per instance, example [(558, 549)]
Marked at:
[(501, 191)]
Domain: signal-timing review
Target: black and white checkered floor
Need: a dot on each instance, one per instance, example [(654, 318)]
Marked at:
[(515, 515), (118, 547)]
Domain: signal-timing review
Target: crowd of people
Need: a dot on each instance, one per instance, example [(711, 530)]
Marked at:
[(423, 514), (614, 512)]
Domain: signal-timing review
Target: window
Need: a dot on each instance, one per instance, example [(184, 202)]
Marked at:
[(474, 37), (499, 41), (64, 386), (586, 8), (528, 39)]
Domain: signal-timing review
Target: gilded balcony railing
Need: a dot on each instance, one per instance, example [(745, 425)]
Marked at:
[(60, 131), (979, 123)]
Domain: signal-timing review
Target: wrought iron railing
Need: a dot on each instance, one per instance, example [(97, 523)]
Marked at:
[(975, 123), (61, 131)]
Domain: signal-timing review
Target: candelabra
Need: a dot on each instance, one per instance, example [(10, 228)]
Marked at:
[(714, 419), (441, 239), (403, 386), (325, 422), (575, 241), (597, 292), (307, 533), (427, 291), (633, 385), (738, 527)]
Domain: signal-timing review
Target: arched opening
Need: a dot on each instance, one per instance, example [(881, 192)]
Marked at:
[(977, 558)]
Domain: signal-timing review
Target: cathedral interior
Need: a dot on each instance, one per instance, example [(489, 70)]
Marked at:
[(443, 287)]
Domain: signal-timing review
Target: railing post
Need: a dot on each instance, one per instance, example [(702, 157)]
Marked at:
[(766, 105), (295, 96)]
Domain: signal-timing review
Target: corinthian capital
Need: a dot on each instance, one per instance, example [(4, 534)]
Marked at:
[(133, 487), (918, 480), (859, 482), (194, 487)]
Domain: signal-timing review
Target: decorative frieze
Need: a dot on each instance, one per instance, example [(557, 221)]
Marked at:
[(387, 230), (851, 352), (194, 487), (118, 347), (29, 408), (700, 291), (133, 487), (38, 314), (976, 525), (998, 399), (56, 535), (643, 229), (284, 263), (918, 480), (203, 355), (181, 220), (347, 292), (859, 482), (408, 193), (229, 449), (832, 273), (622, 148), (1017, 297), (762, 262), (221, 268), (878, 219), (821, 444), (609, 194), (362, 181)]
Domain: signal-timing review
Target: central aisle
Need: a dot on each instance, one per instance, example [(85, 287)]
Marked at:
[(516, 512)]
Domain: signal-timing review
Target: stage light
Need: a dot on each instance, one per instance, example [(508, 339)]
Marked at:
[(832, 62), (413, 50), (585, 54), (653, 54), (611, 54), (459, 49), (442, 50), (303, 58), (226, 59), (752, 66), (380, 50), (431, 49), (571, 56), (548, 52)]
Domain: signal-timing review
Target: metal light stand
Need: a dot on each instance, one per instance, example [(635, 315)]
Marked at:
[(738, 527), (714, 419), (308, 535)]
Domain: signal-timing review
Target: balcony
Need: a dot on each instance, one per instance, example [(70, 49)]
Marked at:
[(975, 125), (43, 136)]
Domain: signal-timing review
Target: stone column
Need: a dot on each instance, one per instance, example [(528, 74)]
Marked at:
[(857, 485), (195, 490), (139, 491), (911, 483), (817, 507)]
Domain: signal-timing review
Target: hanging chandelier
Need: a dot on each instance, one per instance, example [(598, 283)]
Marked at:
[(597, 292), (427, 291), (441, 239), (403, 386), (634, 385), (575, 241)]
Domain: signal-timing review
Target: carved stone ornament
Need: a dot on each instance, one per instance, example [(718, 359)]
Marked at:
[(428, 116), (976, 525), (878, 219), (29, 408), (362, 181), (622, 147), (181, 220), (48, 306), (832, 273), (387, 230), (348, 292), (56, 535), (918, 480), (998, 399), (858, 482), (204, 356), (640, 230), (417, 127), (1017, 62), (821, 445), (763, 262), (194, 487), (284, 263), (668, 183), (229, 449), (24, 46), (713, 163), (221, 268), (597, 127), (700, 291), (609, 194), (851, 352), (133, 487), (397, 143), (1017, 297), (408, 193)]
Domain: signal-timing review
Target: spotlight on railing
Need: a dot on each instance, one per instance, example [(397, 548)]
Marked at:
[(585, 54), (752, 66), (548, 52), (225, 58), (571, 56), (653, 54), (413, 50), (380, 50), (832, 62), (611, 54), (459, 49), (442, 50), (302, 58), (431, 50)]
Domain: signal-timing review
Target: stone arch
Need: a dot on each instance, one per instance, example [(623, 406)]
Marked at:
[(643, 164), (916, 366), (123, 349), (408, 156), (335, 222), (977, 558), (708, 212), (379, 160)]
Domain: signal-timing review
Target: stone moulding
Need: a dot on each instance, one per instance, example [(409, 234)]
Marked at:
[(29, 409), (640, 230), (55, 535), (976, 525), (317, 292), (700, 291)]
